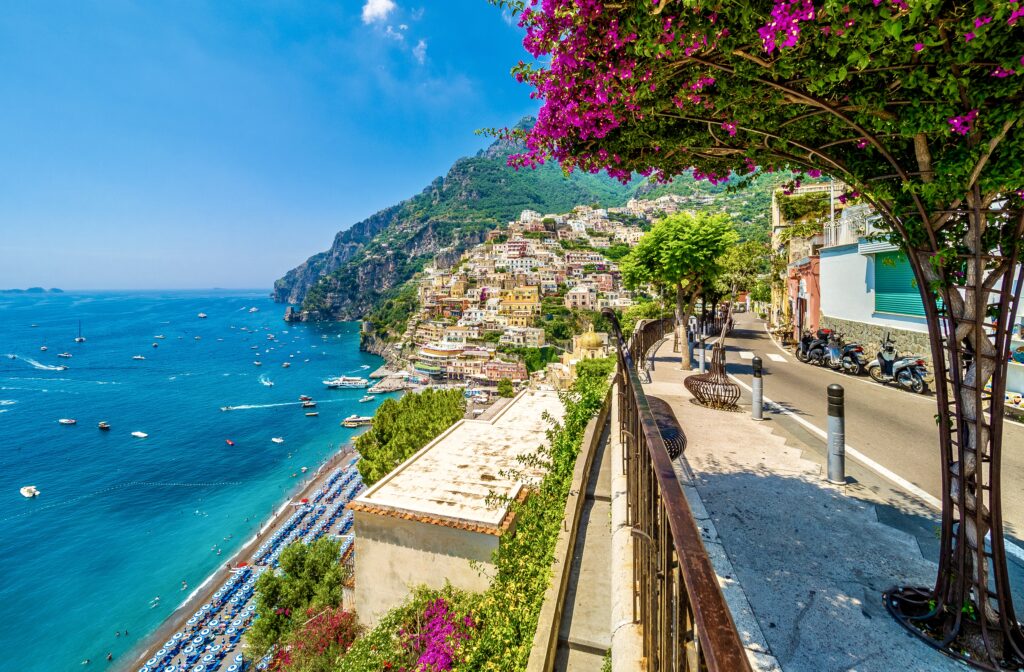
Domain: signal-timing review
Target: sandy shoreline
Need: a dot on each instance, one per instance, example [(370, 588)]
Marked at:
[(135, 657)]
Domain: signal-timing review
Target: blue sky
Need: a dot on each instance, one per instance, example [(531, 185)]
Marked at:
[(220, 143)]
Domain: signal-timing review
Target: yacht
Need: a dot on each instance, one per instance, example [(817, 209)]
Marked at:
[(201, 316), (277, 439), (309, 404), (29, 491), (139, 357), (368, 397), (43, 348), (346, 381), (79, 338), (254, 309), (357, 421), (139, 435), (65, 355), (67, 421)]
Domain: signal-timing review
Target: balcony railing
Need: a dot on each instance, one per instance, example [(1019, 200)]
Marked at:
[(857, 222), (687, 625)]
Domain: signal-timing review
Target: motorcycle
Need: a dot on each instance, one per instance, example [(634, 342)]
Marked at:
[(815, 348), (847, 358), (908, 371)]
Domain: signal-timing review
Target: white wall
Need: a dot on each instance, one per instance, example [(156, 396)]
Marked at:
[(848, 290)]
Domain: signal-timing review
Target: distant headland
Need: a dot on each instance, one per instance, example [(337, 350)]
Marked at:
[(33, 290)]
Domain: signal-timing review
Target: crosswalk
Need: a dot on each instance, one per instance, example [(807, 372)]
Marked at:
[(746, 354)]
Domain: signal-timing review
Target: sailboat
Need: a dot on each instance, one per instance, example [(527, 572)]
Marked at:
[(80, 338)]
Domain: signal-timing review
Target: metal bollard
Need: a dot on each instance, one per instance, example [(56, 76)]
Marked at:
[(701, 355), (836, 435), (757, 410)]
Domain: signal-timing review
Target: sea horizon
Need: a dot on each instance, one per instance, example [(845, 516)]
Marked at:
[(123, 520)]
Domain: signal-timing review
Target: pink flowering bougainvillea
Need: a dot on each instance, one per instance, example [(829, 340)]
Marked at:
[(916, 106)]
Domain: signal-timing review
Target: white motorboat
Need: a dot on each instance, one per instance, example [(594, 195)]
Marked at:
[(139, 357), (286, 365), (368, 397), (65, 355), (257, 363), (277, 439), (68, 421), (254, 309), (160, 336), (201, 316), (139, 435), (29, 491), (43, 348), (346, 381)]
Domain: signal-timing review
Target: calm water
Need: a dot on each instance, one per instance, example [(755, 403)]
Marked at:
[(122, 520)]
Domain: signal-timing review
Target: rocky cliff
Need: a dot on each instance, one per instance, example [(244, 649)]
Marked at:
[(375, 256)]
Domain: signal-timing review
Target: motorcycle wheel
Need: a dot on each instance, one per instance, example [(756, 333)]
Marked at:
[(801, 355), (917, 385), (876, 374)]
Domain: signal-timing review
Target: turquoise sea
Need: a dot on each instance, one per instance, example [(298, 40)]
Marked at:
[(122, 520)]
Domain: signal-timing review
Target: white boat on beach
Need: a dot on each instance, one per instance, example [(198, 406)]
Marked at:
[(139, 435), (29, 491)]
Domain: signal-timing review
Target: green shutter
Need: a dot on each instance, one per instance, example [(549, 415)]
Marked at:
[(896, 290)]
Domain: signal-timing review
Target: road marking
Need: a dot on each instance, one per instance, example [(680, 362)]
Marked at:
[(776, 358), (746, 354), (1011, 548)]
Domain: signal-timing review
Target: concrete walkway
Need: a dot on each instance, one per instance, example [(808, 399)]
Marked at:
[(585, 632), (802, 563)]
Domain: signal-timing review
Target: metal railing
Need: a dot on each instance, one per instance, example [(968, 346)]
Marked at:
[(686, 623), (857, 222)]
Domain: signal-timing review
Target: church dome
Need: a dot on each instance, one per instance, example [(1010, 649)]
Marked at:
[(591, 341)]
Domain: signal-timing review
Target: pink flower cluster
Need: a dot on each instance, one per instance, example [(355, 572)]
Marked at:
[(964, 123), (784, 25)]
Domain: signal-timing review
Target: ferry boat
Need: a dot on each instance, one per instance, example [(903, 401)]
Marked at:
[(368, 397), (65, 355), (346, 381), (104, 425), (139, 435), (68, 421), (80, 338), (29, 491), (357, 421)]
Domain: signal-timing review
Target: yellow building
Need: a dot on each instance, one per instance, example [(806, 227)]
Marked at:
[(520, 300)]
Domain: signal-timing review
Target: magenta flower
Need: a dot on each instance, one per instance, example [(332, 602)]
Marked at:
[(814, 172), (1002, 72), (729, 127), (963, 124), (981, 21), (784, 25), (968, 36), (861, 144), (1015, 14), (919, 46)]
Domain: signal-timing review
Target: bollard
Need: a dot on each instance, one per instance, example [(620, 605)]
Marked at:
[(701, 355), (757, 409), (836, 435)]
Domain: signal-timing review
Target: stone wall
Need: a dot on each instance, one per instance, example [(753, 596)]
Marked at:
[(870, 336)]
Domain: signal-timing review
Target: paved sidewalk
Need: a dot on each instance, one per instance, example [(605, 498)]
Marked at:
[(803, 563)]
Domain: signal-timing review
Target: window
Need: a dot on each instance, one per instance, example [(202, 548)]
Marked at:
[(896, 290)]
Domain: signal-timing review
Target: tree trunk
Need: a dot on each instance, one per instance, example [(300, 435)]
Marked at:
[(970, 608), (684, 308)]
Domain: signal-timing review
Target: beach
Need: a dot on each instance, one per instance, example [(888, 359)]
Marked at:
[(245, 556)]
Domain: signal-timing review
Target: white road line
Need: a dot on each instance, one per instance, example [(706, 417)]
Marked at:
[(746, 354), (1011, 548), (776, 358)]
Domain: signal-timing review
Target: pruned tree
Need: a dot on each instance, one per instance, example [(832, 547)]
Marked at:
[(682, 252), (917, 105)]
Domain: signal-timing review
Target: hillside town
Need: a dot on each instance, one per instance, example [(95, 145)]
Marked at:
[(520, 291)]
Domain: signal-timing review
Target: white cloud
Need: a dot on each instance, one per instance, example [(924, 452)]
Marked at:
[(377, 10), (420, 51), (402, 26), (393, 34)]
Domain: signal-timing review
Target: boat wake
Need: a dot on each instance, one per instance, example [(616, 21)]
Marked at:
[(264, 380), (36, 365), (7, 402), (249, 407)]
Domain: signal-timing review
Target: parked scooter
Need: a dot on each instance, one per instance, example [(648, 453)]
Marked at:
[(909, 372), (848, 358), (814, 349)]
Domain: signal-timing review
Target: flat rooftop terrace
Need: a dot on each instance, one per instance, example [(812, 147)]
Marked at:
[(447, 482)]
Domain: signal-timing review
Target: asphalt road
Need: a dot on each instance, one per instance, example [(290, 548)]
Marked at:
[(890, 426)]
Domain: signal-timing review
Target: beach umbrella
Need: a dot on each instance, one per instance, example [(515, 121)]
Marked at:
[(215, 648), (193, 620), (205, 607), (176, 636), (145, 668), (199, 668), (232, 668), (161, 653), (151, 662), (204, 632), (239, 659), (189, 649), (208, 658), (169, 643)]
